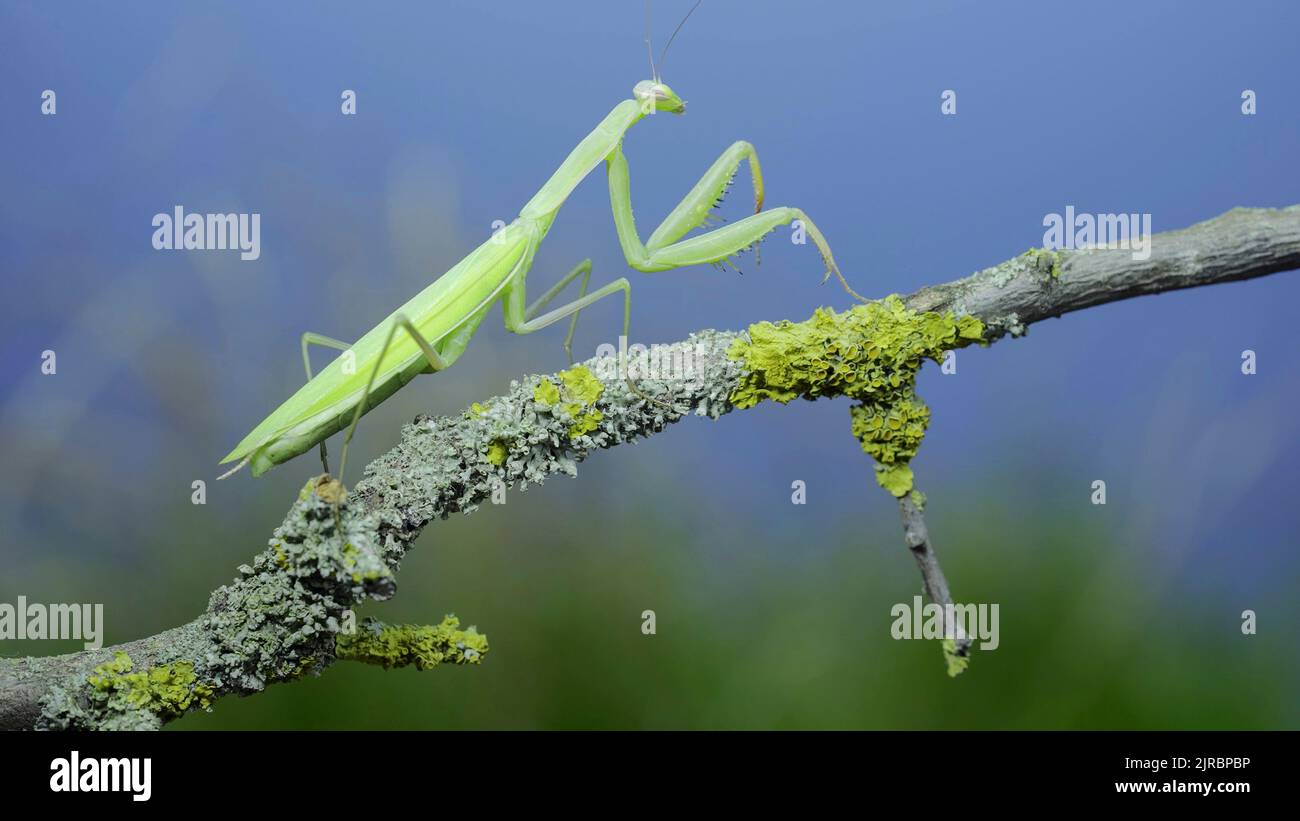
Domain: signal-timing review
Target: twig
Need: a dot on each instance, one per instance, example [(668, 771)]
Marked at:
[(917, 538)]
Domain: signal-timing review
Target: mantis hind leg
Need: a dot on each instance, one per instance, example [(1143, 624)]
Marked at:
[(663, 253), (436, 363), (309, 339)]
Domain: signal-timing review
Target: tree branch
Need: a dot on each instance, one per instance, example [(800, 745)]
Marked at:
[(287, 614)]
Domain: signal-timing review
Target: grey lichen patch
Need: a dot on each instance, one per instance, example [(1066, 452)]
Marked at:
[(281, 617), (1028, 279), (1044, 262), (1007, 324), (450, 465), (276, 622)]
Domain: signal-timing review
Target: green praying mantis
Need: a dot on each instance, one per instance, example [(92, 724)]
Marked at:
[(437, 324)]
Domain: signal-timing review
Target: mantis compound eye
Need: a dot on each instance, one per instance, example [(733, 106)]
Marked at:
[(648, 90), (663, 98)]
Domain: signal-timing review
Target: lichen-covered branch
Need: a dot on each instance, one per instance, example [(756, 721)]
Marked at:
[(1244, 243), (288, 613)]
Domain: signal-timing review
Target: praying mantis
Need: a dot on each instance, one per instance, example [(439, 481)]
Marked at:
[(431, 330)]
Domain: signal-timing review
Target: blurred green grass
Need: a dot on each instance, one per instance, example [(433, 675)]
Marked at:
[(792, 638), (773, 620)]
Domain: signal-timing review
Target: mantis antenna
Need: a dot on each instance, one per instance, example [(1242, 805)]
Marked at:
[(650, 49), (664, 57)]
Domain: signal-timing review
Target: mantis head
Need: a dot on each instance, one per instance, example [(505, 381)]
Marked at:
[(663, 98), (652, 92)]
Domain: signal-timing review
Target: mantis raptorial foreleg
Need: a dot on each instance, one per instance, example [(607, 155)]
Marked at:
[(711, 247), (693, 211), (310, 338)]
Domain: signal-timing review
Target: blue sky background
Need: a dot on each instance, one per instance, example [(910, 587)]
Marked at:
[(166, 359)]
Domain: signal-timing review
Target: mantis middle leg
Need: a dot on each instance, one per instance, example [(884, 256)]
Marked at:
[(582, 269), (522, 320)]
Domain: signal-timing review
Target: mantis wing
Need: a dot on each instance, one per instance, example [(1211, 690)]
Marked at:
[(324, 405)]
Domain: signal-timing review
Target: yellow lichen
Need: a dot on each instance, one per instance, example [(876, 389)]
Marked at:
[(581, 385), (957, 662), (546, 393), (585, 422), (421, 646), (870, 353), (167, 690), (497, 452), (572, 399)]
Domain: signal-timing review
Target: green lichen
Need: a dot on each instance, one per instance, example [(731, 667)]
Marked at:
[(870, 353), (287, 605), (957, 661), (581, 385), (421, 646), (1045, 260), (918, 499), (546, 393), (585, 422), (891, 434), (166, 690), (497, 451), (571, 401)]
